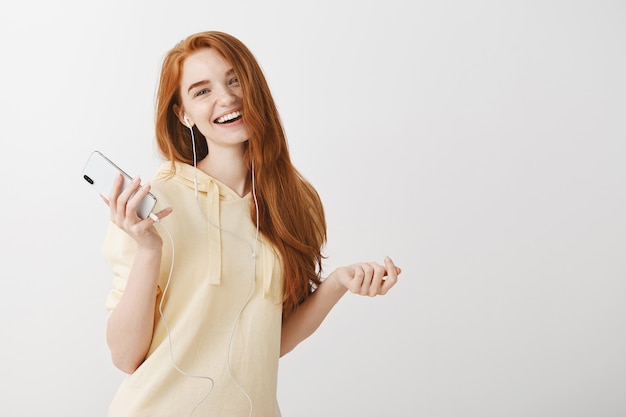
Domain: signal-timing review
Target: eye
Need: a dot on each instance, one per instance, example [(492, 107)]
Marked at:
[(233, 81), (202, 92)]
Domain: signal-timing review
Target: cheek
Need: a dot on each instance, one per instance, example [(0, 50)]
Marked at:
[(203, 111)]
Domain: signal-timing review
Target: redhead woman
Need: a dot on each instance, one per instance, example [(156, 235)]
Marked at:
[(225, 276)]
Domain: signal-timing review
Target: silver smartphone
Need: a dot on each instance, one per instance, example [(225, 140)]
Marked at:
[(100, 173)]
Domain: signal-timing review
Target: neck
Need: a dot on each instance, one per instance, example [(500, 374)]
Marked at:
[(229, 168)]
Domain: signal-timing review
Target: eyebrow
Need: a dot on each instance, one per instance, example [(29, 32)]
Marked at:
[(197, 84), (203, 82)]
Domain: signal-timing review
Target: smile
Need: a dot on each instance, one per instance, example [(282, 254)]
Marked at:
[(229, 118)]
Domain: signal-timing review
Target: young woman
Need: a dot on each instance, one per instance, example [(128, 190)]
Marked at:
[(225, 276)]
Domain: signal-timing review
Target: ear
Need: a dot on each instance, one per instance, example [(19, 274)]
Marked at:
[(182, 117)]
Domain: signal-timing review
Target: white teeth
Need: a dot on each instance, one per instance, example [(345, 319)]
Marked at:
[(229, 116)]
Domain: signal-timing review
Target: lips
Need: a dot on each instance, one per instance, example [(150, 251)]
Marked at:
[(229, 117)]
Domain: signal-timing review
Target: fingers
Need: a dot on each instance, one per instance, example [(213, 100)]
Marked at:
[(115, 191), (372, 279), (130, 197), (392, 275), (124, 203), (137, 199), (156, 217)]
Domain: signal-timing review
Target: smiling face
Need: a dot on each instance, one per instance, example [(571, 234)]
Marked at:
[(212, 99)]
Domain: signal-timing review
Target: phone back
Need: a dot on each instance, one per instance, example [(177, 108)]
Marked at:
[(100, 173)]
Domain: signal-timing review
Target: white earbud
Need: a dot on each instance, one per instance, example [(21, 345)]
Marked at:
[(187, 121)]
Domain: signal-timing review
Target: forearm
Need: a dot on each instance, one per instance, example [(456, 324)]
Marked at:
[(311, 313), (131, 324), (364, 278)]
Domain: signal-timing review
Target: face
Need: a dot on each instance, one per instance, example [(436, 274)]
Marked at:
[(212, 99)]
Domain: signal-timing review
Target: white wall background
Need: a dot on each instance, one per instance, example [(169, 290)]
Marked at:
[(481, 144)]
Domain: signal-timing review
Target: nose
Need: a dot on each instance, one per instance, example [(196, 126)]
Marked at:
[(226, 96)]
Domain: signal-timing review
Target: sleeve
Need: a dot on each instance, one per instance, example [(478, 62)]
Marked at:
[(118, 251)]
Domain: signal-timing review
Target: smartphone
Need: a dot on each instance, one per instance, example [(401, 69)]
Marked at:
[(100, 173)]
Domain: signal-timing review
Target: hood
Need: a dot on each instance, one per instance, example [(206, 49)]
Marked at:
[(266, 257)]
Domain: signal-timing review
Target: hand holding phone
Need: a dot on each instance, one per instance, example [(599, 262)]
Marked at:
[(100, 173)]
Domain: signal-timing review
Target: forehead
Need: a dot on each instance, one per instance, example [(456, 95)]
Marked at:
[(205, 64)]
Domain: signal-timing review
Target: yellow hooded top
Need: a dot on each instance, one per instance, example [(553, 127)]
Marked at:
[(222, 306)]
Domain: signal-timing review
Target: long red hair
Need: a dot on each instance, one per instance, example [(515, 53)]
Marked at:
[(291, 214)]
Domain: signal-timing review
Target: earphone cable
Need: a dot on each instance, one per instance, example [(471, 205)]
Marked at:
[(167, 328)]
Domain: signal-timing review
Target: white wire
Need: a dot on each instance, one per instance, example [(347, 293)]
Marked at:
[(253, 249), (193, 148), (236, 324), (169, 335)]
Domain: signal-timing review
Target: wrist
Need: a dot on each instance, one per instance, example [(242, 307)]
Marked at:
[(335, 282), (151, 251), (151, 242)]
